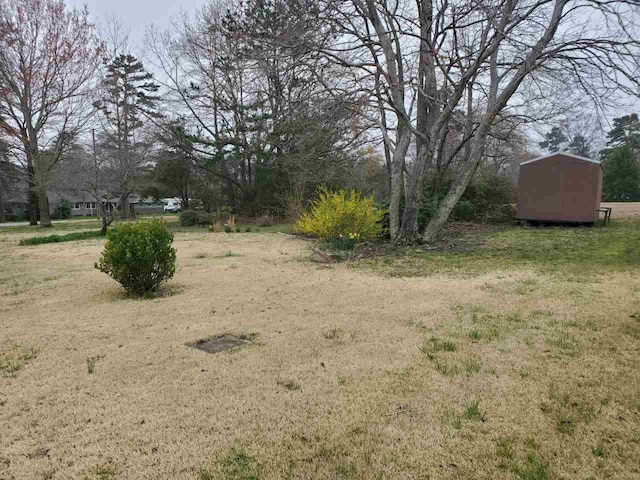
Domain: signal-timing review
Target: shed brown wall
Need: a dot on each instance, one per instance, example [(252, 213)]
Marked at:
[(559, 188)]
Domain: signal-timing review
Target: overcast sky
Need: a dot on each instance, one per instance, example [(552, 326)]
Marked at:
[(137, 14)]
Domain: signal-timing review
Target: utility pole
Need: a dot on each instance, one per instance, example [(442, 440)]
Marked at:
[(95, 171)]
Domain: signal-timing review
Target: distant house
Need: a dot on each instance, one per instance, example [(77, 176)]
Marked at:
[(13, 203), (560, 187), (84, 204), (13, 192)]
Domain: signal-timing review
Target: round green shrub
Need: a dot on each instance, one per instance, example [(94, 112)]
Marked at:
[(192, 218), (62, 210), (139, 256), (463, 211), (188, 218)]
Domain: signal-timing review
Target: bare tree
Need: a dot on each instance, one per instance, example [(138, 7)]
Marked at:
[(464, 65), (265, 112), (48, 58)]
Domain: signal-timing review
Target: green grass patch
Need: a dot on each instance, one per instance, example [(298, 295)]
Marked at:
[(106, 471), (564, 343), (451, 367), (504, 450), (434, 344), (484, 325), (535, 468), (69, 237), (290, 385), (532, 467), (568, 410), (56, 226), (473, 413), (568, 250), (13, 357), (236, 466)]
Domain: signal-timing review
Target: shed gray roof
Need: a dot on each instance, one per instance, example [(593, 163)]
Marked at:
[(566, 154)]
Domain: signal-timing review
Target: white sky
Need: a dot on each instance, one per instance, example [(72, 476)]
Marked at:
[(136, 15)]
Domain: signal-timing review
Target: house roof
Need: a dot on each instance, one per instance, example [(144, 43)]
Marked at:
[(566, 154)]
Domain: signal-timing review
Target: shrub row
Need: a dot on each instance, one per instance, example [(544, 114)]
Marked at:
[(193, 218), (69, 237), (488, 198)]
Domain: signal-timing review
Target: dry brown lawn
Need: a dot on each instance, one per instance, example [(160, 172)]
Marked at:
[(352, 374), (623, 209)]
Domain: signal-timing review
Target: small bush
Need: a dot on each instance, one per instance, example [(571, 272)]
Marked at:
[(193, 218), (463, 211), (222, 214), (345, 217), (343, 243), (188, 218), (139, 256), (62, 210)]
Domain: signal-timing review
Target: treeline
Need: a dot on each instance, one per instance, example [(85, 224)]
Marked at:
[(254, 105)]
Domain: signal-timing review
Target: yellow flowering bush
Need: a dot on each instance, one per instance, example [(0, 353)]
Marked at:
[(345, 217)]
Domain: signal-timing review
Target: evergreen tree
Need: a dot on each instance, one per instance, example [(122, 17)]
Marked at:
[(621, 175), (127, 101), (580, 146), (554, 140), (625, 131)]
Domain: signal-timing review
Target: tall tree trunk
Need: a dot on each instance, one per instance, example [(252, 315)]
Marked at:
[(427, 113), (460, 183), (32, 207), (415, 186), (125, 209), (397, 180), (43, 203), (32, 197), (2, 217)]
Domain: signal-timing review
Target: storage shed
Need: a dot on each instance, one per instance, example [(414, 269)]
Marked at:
[(560, 187)]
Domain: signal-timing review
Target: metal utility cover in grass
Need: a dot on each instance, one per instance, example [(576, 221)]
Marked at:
[(219, 344)]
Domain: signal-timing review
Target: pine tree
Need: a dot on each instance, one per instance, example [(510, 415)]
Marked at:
[(128, 101), (625, 131), (554, 140), (621, 175), (580, 146)]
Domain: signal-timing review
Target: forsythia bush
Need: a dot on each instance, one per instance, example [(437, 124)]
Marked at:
[(344, 217), (139, 256)]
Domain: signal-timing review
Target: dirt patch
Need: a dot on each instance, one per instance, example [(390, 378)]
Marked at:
[(219, 344)]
